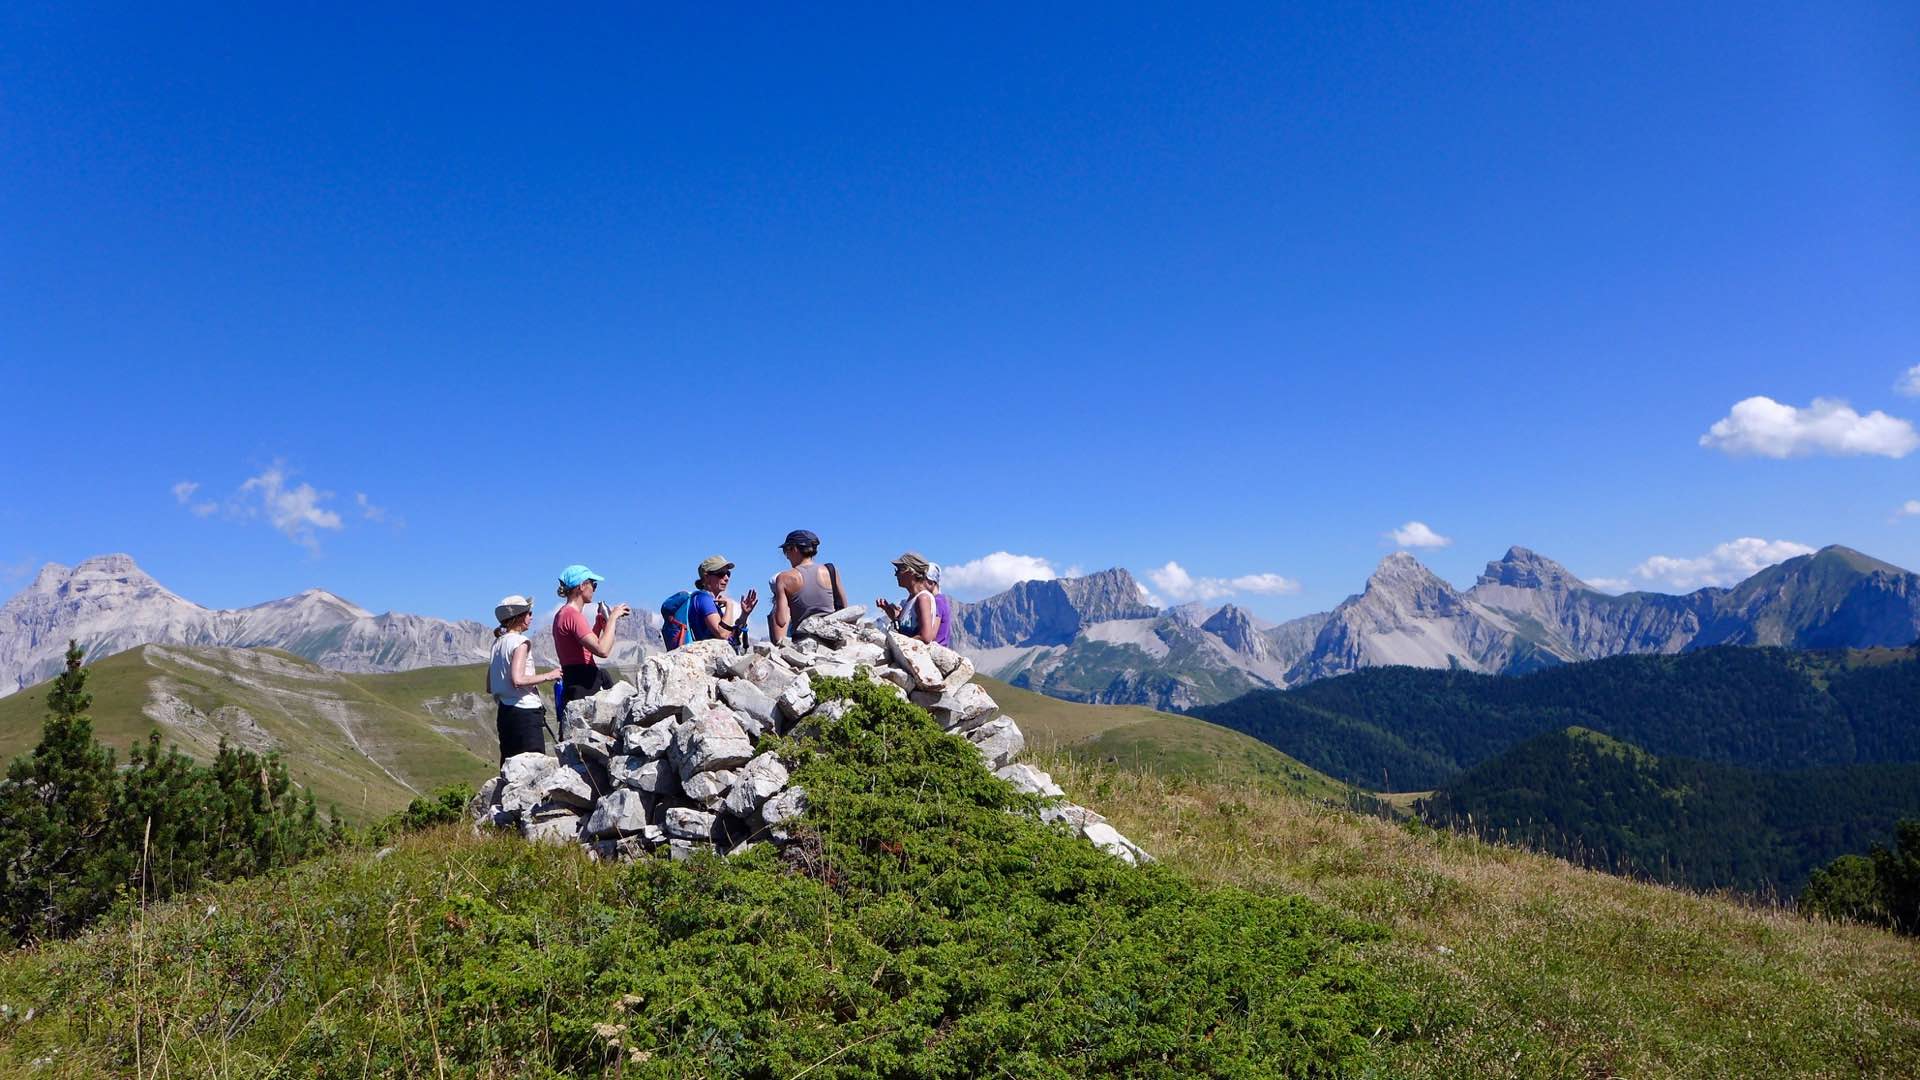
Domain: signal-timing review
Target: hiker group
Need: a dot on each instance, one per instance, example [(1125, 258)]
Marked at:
[(702, 613)]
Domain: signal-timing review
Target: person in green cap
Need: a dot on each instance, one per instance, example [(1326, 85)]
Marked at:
[(577, 647), (711, 613), (919, 615)]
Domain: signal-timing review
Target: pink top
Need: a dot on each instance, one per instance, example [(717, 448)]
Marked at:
[(569, 627)]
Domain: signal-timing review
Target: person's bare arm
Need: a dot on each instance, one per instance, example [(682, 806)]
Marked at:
[(929, 620), (601, 644), (517, 663), (782, 615)]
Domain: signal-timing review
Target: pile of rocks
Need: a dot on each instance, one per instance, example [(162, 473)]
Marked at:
[(671, 764)]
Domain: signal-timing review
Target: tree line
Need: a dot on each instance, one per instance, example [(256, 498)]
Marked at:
[(81, 834)]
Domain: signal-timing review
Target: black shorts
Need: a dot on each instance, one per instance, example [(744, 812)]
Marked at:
[(582, 681), (522, 731)]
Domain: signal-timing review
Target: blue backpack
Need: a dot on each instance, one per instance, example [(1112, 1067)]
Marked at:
[(676, 629)]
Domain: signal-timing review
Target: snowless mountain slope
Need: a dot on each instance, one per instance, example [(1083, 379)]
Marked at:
[(109, 605), (1094, 640)]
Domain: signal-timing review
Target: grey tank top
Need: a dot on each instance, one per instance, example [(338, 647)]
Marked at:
[(813, 597)]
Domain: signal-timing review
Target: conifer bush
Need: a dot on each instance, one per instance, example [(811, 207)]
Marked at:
[(78, 834)]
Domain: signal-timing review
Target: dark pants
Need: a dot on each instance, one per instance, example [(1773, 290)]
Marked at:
[(522, 731), (582, 681)]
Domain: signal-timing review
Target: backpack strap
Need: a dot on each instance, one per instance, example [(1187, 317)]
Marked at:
[(840, 598)]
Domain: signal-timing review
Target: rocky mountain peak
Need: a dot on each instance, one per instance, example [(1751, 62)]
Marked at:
[(1108, 594), (1403, 583), (1526, 569), (1237, 628)]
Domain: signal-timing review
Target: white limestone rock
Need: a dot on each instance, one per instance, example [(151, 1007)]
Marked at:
[(915, 657), (716, 655), (998, 740), (559, 830), (1079, 817), (656, 777), (758, 779), (850, 614), (1029, 780), (861, 654), (567, 785), (650, 740), (749, 703), (673, 685), (769, 675), (686, 823), (521, 770), (959, 709), (955, 669), (783, 806), (797, 700), (621, 813), (895, 677), (481, 807), (1108, 839), (713, 741), (708, 788)]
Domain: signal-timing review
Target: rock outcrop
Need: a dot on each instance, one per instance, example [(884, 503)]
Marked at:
[(672, 763)]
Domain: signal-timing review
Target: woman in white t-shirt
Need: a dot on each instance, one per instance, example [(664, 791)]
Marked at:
[(522, 715)]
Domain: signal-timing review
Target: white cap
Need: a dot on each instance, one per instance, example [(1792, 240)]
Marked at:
[(933, 572), (511, 607)]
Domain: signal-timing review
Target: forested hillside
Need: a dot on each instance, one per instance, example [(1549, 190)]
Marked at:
[(1771, 709), (1603, 802)]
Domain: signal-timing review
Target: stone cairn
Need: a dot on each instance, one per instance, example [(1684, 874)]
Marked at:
[(671, 763)]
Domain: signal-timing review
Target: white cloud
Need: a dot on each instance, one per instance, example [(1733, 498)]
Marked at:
[(1910, 508), (1727, 564), (1174, 580), (183, 494), (1612, 585), (993, 573), (367, 509), (1269, 584), (1909, 384), (1415, 534), (1764, 427), (295, 511)]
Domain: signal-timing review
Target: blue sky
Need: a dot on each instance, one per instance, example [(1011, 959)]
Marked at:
[(428, 305)]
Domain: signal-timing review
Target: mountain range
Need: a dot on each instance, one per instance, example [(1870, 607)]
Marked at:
[(109, 605), (1097, 638)]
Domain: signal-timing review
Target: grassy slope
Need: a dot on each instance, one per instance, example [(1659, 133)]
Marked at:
[(1140, 738), (927, 931), (364, 743), (1529, 966), (1521, 965)]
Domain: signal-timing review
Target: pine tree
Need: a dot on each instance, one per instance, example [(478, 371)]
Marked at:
[(59, 863)]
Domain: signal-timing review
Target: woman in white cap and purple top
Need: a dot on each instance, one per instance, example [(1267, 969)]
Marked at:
[(919, 616), (520, 716)]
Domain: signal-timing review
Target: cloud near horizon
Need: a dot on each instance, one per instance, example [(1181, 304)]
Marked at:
[(994, 573), (1727, 564), (1763, 427), (1179, 585), (1910, 508), (1416, 534)]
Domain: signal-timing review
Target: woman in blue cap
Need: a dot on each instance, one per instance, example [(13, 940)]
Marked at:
[(577, 647)]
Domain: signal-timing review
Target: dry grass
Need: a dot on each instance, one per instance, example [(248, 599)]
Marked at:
[(1530, 966)]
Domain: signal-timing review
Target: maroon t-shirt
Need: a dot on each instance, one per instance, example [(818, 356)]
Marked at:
[(569, 628)]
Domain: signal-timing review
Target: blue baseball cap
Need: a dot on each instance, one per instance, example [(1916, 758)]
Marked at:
[(576, 575)]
